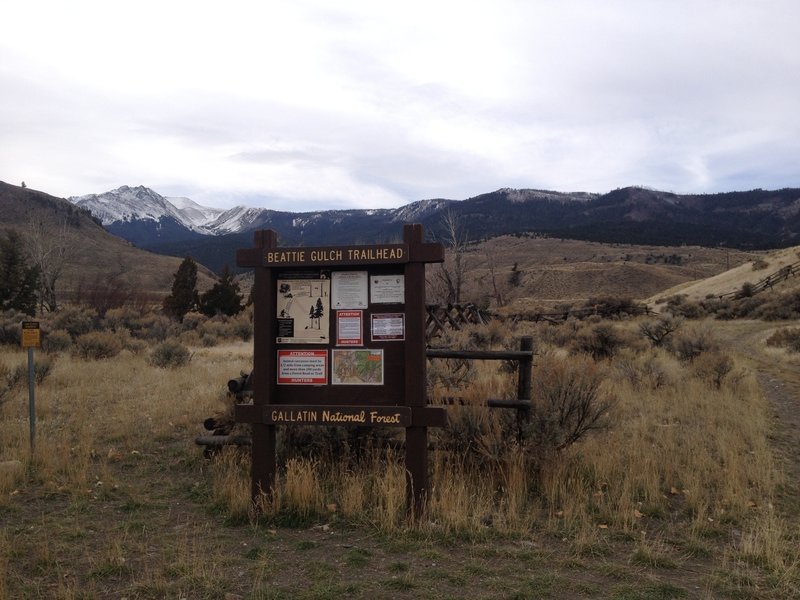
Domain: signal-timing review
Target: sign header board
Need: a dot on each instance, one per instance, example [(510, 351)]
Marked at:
[(31, 334), (385, 254)]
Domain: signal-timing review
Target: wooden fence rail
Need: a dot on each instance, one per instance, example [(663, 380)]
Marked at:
[(767, 283), (524, 356)]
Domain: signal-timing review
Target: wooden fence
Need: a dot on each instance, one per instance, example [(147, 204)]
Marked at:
[(455, 317), (765, 284)]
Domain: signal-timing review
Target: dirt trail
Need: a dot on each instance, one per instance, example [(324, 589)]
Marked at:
[(779, 378)]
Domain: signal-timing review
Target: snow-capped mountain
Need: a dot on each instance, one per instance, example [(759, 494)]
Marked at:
[(194, 215), (127, 204), (181, 227), (234, 220), (145, 217)]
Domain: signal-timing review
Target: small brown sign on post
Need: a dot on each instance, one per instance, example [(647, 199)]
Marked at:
[(339, 339), (31, 334)]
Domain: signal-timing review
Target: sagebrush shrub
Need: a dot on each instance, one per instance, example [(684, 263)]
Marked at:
[(242, 329), (657, 331), (57, 341), (10, 329), (124, 316), (688, 344), (5, 382), (713, 366), (18, 377), (76, 320), (599, 341), (170, 354), (785, 338), (97, 345), (568, 403)]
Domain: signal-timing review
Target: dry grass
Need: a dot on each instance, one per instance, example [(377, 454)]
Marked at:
[(556, 271), (732, 279), (683, 467)]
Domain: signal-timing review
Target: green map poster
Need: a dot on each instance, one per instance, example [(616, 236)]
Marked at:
[(357, 367)]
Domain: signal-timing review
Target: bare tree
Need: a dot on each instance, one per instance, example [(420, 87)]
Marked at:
[(498, 294), (451, 272), (659, 330), (50, 247)]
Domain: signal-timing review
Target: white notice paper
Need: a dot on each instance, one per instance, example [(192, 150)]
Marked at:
[(388, 289), (349, 289)]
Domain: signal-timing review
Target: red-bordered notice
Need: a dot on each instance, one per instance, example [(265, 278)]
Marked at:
[(388, 327), (302, 367), (349, 328)]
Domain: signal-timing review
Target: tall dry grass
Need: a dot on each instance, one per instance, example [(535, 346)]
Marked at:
[(91, 412), (680, 447), (683, 446), (676, 442)]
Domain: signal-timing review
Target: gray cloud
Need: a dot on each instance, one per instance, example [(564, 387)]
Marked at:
[(352, 104)]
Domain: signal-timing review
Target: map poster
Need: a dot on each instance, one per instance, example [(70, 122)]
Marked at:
[(302, 367), (357, 367), (388, 289), (303, 311), (349, 328), (388, 327), (349, 289)]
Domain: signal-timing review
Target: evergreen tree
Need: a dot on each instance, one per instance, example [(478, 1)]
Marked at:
[(18, 280), (318, 312), (224, 298), (184, 290)]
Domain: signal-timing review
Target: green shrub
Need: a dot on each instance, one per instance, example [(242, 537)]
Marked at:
[(189, 338), (170, 354), (599, 341), (785, 338), (10, 327), (713, 366), (783, 307), (153, 327), (125, 316), (97, 345), (77, 321), (209, 340), (42, 367), (657, 331), (56, 341), (688, 344), (242, 329), (568, 402), (192, 321), (746, 291), (5, 388)]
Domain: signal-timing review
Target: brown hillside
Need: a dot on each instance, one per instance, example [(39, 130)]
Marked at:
[(556, 271), (732, 280), (95, 255)]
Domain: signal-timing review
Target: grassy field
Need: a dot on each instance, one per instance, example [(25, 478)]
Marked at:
[(682, 494)]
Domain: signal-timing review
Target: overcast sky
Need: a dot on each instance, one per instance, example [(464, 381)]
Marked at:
[(304, 105)]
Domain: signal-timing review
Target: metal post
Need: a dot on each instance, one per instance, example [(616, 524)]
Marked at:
[(32, 399)]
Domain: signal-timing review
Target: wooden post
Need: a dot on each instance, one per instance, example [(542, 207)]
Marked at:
[(264, 461), (415, 376), (524, 384)]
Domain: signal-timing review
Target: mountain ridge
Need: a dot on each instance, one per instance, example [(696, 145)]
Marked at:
[(750, 220)]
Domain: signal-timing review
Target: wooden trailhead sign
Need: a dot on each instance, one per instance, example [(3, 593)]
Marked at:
[(339, 339)]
